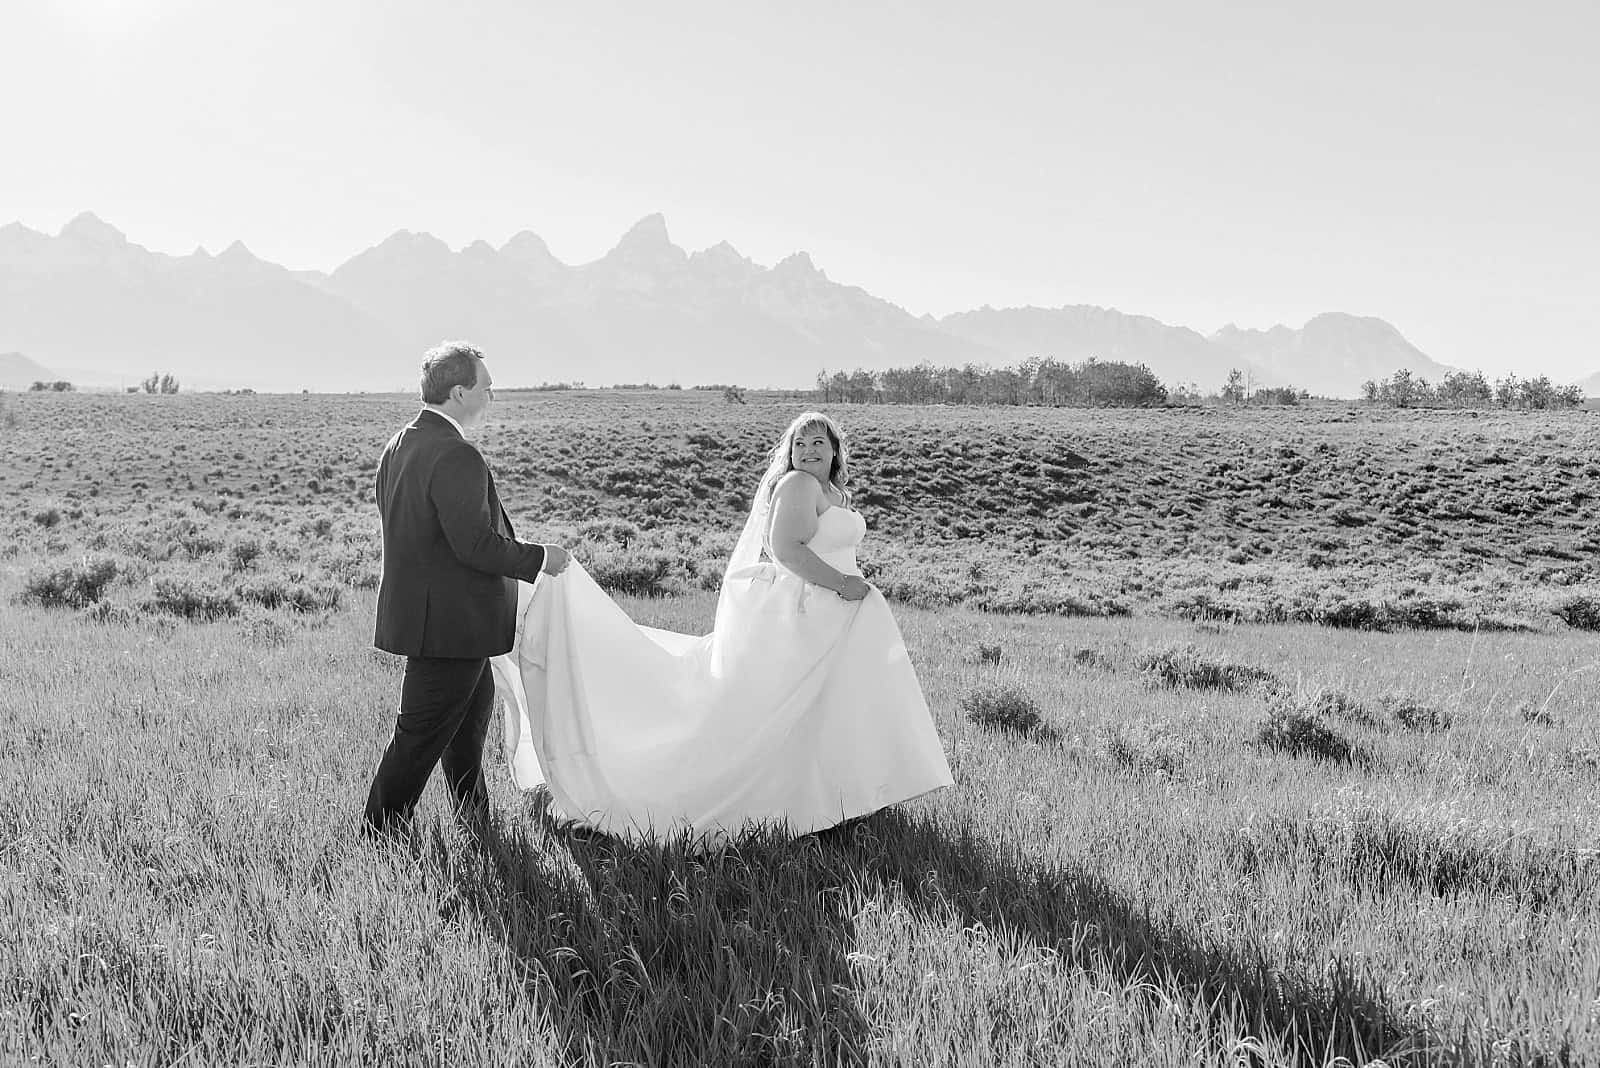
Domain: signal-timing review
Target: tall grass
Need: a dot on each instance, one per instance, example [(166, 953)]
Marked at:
[(190, 713), (183, 875)]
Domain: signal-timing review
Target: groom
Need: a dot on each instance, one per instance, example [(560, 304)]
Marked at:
[(448, 598)]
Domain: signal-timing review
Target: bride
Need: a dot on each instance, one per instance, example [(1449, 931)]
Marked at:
[(801, 706)]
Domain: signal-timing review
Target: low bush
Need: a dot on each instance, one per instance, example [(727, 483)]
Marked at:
[(921, 589), (300, 597), (1187, 667), (1580, 611), (188, 600), (1045, 599), (1336, 704), (1413, 714), (243, 554), (1093, 658), (1337, 608), (1145, 747), (261, 628), (110, 613), (1291, 727), (1002, 707), (618, 532), (640, 573), (74, 586)]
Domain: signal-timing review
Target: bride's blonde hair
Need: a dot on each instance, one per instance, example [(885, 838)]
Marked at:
[(781, 461)]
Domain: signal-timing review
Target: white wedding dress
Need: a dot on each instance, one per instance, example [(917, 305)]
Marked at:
[(799, 708)]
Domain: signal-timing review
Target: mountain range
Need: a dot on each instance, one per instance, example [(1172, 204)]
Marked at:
[(100, 310)]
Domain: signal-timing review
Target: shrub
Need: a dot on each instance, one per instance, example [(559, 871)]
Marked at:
[(108, 612), (1188, 667), (195, 540), (1581, 611), (609, 531), (47, 517), (1335, 704), (1290, 728), (180, 597), (1046, 599), (1422, 609), (263, 629), (1146, 747), (1536, 713), (989, 654), (921, 587), (640, 573), (1002, 707), (243, 554), (296, 596), (75, 586), (1093, 658), (1413, 714), (1336, 608), (1204, 605)]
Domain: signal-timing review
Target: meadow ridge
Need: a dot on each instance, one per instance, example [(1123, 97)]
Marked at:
[(1233, 834), (1334, 514)]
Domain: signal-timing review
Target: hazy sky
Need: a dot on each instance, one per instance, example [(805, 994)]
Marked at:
[(1432, 163)]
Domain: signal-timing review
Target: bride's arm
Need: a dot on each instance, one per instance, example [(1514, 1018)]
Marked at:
[(794, 522)]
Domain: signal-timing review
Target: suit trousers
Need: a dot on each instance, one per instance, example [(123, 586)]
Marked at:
[(445, 707)]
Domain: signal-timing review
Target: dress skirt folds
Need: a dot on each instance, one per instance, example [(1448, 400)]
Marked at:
[(800, 708)]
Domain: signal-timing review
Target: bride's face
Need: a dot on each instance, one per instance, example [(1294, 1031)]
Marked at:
[(812, 451)]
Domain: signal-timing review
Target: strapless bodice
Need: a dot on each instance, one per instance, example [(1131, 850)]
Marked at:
[(839, 531)]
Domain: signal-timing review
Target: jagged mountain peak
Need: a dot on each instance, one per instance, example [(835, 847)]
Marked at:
[(798, 264), (723, 257), (646, 242), (722, 266), (528, 252), (13, 230), (721, 251), (1344, 322), (645, 253), (405, 251), (19, 240), (88, 228), (525, 244), (237, 253), (403, 242), (648, 232), (1322, 322)]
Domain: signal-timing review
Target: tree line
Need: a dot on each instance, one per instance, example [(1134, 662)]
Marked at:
[(1039, 380), (1463, 389)]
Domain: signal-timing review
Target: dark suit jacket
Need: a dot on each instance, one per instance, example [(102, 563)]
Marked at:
[(450, 558)]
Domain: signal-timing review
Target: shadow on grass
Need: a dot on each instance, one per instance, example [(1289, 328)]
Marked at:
[(655, 953)]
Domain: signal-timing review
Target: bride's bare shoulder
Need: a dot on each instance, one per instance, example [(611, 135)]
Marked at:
[(797, 485)]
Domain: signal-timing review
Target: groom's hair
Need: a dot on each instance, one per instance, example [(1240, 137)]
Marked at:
[(446, 366)]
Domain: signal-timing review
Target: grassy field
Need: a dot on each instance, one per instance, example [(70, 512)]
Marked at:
[(1223, 842)]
